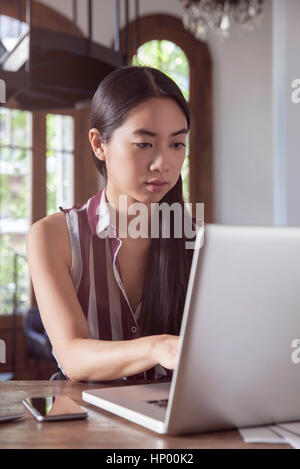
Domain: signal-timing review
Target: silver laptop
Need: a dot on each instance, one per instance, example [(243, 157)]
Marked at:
[(237, 364)]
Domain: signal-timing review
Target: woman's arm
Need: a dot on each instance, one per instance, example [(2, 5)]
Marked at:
[(88, 359), (83, 358)]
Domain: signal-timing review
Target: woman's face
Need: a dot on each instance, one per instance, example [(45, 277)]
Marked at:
[(135, 158)]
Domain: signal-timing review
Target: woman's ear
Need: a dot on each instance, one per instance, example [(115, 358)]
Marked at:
[(95, 141)]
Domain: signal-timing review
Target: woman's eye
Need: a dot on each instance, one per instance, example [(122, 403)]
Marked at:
[(179, 143), (138, 144)]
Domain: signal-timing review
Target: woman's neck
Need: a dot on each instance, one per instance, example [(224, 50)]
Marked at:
[(125, 229)]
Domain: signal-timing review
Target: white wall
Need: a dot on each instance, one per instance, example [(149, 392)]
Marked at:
[(293, 113), (286, 68), (242, 108)]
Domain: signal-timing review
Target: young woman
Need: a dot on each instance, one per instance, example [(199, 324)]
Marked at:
[(112, 305)]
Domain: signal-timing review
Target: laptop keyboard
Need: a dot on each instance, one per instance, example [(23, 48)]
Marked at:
[(159, 402)]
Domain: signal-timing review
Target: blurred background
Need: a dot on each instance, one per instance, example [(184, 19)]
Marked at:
[(234, 61)]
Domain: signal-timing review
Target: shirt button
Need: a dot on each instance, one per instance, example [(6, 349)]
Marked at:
[(133, 329)]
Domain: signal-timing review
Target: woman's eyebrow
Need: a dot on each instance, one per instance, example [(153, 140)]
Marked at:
[(152, 134)]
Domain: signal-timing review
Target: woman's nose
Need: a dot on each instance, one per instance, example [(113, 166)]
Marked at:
[(161, 163)]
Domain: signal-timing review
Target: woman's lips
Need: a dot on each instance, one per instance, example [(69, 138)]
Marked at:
[(156, 186)]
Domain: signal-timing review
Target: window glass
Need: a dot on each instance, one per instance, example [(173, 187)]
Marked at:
[(60, 162), (15, 190)]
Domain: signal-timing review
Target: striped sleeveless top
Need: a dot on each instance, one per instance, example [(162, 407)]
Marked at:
[(96, 277)]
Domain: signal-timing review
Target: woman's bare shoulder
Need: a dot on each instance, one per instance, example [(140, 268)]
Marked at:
[(57, 227)]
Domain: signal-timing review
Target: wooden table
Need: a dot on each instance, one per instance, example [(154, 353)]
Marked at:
[(100, 430)]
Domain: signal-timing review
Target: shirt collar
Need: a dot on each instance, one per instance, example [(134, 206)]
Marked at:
[(101, 216)]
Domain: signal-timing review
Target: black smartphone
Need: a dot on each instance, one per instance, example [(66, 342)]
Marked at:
[(51, 408), (8, 418)]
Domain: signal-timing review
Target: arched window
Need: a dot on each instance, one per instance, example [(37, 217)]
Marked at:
[(170, 59)]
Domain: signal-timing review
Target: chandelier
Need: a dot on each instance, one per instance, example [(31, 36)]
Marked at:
[(219, 15)]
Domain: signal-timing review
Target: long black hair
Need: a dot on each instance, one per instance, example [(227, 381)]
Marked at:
[(168, 262)]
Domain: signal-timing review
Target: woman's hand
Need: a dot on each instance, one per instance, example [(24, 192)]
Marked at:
[(165, 350)]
